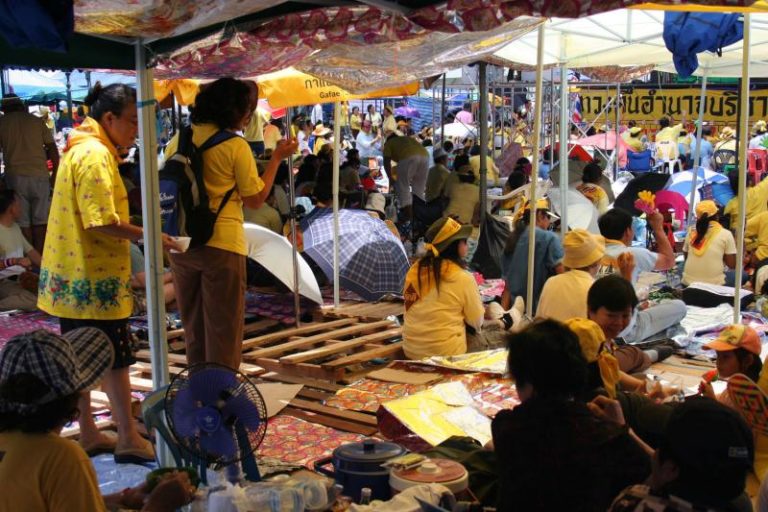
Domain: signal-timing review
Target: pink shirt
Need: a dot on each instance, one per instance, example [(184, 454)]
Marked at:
[(464, 117)]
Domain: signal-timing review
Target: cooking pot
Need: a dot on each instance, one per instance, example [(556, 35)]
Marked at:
[(358, 465)]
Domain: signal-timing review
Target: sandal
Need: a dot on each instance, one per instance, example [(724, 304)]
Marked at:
[(135, 455), (100, 447)]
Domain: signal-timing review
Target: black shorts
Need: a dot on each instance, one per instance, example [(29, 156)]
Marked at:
[(117, 332)]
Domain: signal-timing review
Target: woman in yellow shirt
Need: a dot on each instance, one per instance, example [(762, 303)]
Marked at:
[(85, 272), (210, 279), (355, 121), (441, 298)]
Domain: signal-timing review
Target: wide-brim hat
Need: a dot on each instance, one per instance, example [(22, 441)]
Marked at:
[(388, 108), (582, 248), (376, 202), (66, 364), (321, 130), (727, 133), (446, 230)]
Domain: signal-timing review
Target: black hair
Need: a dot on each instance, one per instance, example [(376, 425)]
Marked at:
[(664, 122), (435, 263), (224, 103), (754, 368), (7, 197), (521, 224), (467, 105), (307, 170), (613, 293), (591, 173), (355, 108), (26, 388), (448, 146), (475, 150), (706, 131), (516, 180), (466, 177), (702, 226), (281, 176), (547, 356), (614, 223), (631, 124), (591, 131), (112, 98), (371, 106), (460, 161)]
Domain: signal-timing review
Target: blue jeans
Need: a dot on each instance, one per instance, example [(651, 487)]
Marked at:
[(730, 278), (653, 320)]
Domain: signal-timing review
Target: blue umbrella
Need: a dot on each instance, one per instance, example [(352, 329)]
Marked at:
[(407, 111), (372, 260)]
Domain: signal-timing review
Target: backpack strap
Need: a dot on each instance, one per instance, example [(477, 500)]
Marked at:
[(214, 140)]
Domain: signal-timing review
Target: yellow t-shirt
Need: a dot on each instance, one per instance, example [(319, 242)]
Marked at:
[(757, 227), (596, 195), (355, 123), (757, 202), (86, 274), (493, 171), (254, 132), (564, 296), (462, 201), (634, 143), (229, 164), (434, 325), (709, 267), (44, 472), (670, 133)]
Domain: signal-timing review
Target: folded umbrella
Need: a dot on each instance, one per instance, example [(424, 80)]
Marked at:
[(275, 253), (372, 260)]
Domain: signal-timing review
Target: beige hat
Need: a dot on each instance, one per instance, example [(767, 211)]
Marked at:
[(727, 133), (582, 248), (376, 203), (321, 130)]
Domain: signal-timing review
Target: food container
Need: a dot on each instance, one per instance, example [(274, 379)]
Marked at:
[(432, 471), (358, 465)]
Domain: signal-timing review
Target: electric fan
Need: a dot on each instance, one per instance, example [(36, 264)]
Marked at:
[(218, 416)]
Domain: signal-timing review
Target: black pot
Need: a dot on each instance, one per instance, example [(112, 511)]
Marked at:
[(358, 465)]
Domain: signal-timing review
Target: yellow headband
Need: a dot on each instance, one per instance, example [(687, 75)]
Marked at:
[(450, 228)]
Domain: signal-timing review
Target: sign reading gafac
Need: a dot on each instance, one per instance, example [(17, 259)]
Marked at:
[(646, 105)]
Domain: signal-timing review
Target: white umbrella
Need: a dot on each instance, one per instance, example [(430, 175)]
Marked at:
[(460, 130), (581, 213), (274, 252)]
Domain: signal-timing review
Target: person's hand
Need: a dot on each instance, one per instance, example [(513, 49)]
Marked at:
[(655, 220), (174, 491), (706, 389), (25, 262), (626, 263), (607, 409), (285, 148), (170, 244)]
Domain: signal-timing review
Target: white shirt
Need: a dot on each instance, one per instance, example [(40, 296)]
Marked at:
[(756, 142), (709, 267), (317, 114), (365, 145), (645, 260), (12, 242), (303, 141)]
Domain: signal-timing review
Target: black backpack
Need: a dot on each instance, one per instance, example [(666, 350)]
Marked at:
[(184, 205)]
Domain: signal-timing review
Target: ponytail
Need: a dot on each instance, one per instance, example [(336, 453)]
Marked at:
[(520, 225), (702, 226)]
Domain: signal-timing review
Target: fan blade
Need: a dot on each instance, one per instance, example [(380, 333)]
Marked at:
[(220, 443), (244, 410), (184, 413), (208, 383)]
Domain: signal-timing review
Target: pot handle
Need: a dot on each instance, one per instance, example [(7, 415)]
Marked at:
[(318, 465)]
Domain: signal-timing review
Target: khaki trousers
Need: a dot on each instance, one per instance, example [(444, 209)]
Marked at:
[(210, 292)]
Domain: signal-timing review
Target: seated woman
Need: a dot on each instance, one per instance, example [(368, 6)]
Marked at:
[(441, 298), (42, 376), (464, 197), (553, 453), (591, 189), (708, 248)]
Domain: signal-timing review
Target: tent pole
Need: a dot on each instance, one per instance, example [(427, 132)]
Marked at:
[(743, 139), (442, 113), (68, 74), (292, 220), (697, 153), (551, 135), (535, 171), (483, 141), (563, 149), (336, 228), (150, 199), (618, 120), (3, 81)]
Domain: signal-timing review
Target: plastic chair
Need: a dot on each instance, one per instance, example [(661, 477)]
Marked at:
[(757, 163), (668, 200), (722, 158), (640, 161), (667, 156)]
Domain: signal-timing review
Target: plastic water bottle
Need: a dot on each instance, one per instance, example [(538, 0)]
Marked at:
[(365, 496)]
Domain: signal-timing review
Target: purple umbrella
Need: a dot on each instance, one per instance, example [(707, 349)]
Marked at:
[(407, 111)]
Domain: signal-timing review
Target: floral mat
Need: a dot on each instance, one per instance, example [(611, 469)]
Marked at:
[(296, 441), (492, 393)]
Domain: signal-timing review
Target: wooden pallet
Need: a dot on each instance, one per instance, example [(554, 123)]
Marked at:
[(324, 350), (367, 310)]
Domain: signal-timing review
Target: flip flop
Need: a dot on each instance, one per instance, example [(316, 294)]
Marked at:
[(135, 455), (98, 448)]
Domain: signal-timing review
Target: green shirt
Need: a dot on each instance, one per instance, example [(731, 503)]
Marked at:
[(436, 180)]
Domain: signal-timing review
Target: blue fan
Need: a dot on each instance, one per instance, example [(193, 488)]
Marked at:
[(217, 415)]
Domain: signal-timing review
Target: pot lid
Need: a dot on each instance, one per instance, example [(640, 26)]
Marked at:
[(368, 450), (433, 470)]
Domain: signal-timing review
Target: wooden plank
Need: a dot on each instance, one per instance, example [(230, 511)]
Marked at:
[(312, 371), (140, 384), (314, 394), (317, 338), (307, 383), (332, 422), (367, 355), (180, 359), (297, 331), (340, 347), (260, 325), (359, 417)]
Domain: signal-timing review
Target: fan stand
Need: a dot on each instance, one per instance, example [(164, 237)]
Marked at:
[(248, 462)]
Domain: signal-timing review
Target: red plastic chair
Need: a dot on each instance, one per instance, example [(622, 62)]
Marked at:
[(757, 163), (668, 200)]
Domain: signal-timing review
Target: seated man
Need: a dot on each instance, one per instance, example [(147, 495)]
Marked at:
[(42, 376), (139, 282), (616, 227), (15, 250), (553, 453), (701, 465)]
